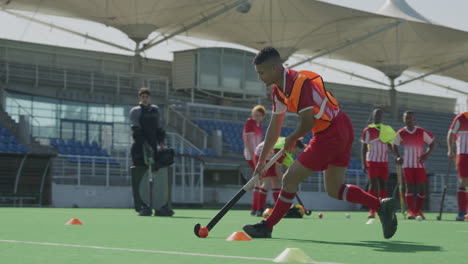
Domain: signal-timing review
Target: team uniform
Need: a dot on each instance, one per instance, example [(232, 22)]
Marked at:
[(414, 171), (376, 157), (271, 172), (459, 128), (377, 154), (332, 141), (330, 146), (251, 126)]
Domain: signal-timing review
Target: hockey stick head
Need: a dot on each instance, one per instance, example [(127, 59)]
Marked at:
[(196, 229)]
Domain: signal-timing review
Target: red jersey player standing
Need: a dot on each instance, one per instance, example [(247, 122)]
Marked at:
[(459, 128), (329, 150), (252, 135), (414, 138), (376, 140)]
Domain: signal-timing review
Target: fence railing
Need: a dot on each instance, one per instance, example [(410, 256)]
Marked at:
[(233, 114), (90, 170), (63, 78), (186, 128), (437, 183)]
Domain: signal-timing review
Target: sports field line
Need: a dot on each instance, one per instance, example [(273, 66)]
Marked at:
[(147, 251)]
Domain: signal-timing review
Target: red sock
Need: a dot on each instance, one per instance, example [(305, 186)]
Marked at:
[(354, 194), (420, 197), (466, 200), (383, 194), (282, 205), (462, 197), (372, 192), (262, 195), (275, 193), (409, 197), (254, 199)]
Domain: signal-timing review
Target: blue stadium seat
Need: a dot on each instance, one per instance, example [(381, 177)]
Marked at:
[(54, 142)]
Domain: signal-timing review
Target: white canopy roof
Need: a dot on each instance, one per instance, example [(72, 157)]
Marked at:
[(395, 39)]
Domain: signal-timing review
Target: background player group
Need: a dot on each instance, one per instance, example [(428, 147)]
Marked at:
[(304, 94)]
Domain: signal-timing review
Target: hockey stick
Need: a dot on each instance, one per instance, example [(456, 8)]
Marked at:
[(307, 212), (400, 189), (149, 161), (439, 217), (236, 197)]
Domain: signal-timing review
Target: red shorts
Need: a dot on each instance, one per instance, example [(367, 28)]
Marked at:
[(462, 165), (251, 164), (415, 175), (377, 170), (332, 146), (271, 172)]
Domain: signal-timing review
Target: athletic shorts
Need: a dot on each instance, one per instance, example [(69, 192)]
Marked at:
[(462, 165), (415, 175), (332, 146), (251, 164), (271, 172), (377, 170)]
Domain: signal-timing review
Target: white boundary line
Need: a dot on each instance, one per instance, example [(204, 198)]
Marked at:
[(146, 251)]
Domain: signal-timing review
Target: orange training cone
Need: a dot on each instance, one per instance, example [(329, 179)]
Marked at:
[(238, 236), (74, 221)]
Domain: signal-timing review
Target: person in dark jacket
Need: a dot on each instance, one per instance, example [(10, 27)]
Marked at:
[(147, 129)]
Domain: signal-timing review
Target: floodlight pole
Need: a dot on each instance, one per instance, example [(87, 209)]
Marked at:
[(223, 10), (352, 42)]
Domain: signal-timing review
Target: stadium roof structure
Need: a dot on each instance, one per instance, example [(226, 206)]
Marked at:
[(393, 40)]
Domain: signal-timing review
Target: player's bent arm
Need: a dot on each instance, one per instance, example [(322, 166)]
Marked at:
[(306, 123), (363, 154), (272, 135), (397, 153), (249, 142), (430, 149), (450, 140)]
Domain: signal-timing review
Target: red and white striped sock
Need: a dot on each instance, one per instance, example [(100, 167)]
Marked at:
[(420, 197), (262, 195), (254, 199), (354, 194), (282, 205), (275, 194)]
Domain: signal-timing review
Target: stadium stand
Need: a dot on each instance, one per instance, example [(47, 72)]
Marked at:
[(9, 143)]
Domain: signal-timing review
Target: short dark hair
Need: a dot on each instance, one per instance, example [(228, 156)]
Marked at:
[(265, 54), (144, 91), (409, 112)]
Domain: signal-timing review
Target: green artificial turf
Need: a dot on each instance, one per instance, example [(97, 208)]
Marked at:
[(117, 231)]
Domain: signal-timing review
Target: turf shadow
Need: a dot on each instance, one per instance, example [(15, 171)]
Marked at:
[(384, 246)]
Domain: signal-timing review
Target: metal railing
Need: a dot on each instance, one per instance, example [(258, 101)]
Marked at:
[(233, 114), (63, 78), (90, 170), (17, 110), (186, 128), (437, 183)]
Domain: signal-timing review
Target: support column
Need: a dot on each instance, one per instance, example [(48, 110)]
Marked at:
[(393, 99)]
